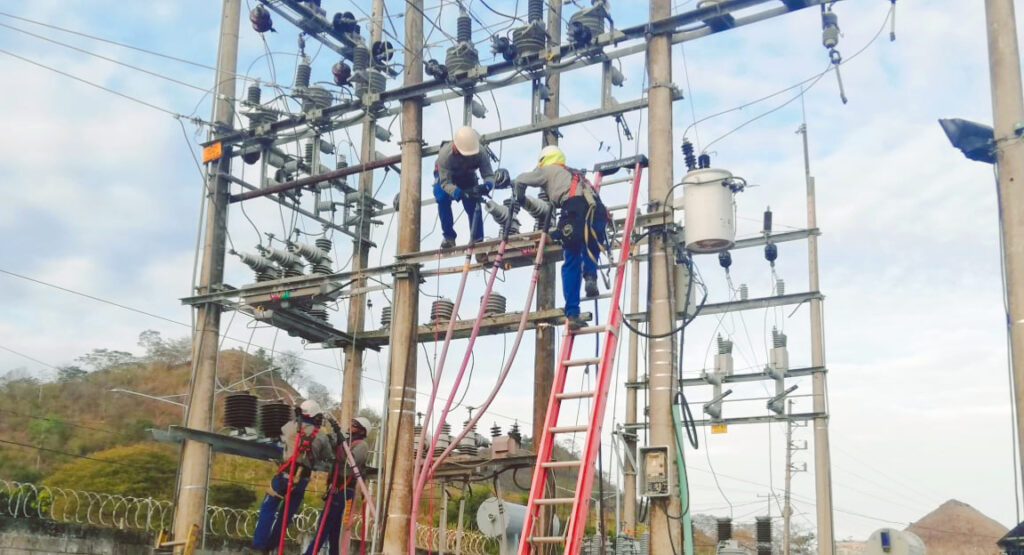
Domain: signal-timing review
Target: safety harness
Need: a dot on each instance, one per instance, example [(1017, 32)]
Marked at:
[(580, 214), (332, 488)]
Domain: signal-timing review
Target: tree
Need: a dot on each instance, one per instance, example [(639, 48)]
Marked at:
[(70, 373), (140, 470), (235, 496), (105, 359), (318, 392), (171, 352)]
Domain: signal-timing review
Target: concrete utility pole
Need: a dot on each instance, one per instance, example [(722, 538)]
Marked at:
[(544, 351), (629, 434), (194, 472), (664, 526), (1007, 115), (822, 457), (399, 454), (352, 381), (787, 509)]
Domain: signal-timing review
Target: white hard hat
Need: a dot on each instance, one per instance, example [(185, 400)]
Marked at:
[(467, 141), (362, 421), (310, 407)]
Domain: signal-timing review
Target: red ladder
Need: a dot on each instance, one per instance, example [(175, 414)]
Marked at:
[(584, 483)]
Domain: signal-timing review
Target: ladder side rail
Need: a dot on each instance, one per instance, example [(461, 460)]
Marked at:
[(545, 447), (585, 479)]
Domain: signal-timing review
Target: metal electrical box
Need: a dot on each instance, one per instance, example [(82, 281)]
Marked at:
[(654, 475)]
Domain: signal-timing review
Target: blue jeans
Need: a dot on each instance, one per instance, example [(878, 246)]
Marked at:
[(444, 212), (331, 536), (268, 526), (577, 264)]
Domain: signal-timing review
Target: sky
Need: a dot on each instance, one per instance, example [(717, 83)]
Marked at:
[(102, 197)]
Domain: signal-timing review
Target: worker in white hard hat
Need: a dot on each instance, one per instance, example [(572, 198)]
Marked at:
[(341, 483), (581, 224), (304, 448), (455, 178)]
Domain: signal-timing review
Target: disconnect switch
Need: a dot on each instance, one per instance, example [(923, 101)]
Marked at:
[(654, 480)]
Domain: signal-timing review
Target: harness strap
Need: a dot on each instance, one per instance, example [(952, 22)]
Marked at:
[(303, 444)]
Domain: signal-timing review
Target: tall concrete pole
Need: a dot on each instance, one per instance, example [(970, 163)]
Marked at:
[(1007, 113), (822, 457), (787, 510), (664, 513), (399, 454), (628, 469), (352, 381), (544, 351), (194, 473)]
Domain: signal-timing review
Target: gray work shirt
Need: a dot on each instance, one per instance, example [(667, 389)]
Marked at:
[(457, 170), (360, 451), (555, 179), (320, 451)]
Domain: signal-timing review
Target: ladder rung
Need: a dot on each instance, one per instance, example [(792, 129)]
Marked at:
[(582, 361), (555, 501), (607, 295), (560, 464), (595, 329), (546, 539), (568, 429), (575, 395)]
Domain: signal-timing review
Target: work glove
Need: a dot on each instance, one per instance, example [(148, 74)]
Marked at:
[(502, 180), (336, 427), (483, 189), (457, 194)]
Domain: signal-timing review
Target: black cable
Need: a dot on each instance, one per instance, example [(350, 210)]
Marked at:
[(669, 527), (512, 17)]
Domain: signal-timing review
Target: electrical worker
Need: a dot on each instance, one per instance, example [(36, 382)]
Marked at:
[(581, 224), (455, 178), (341, 483), (305, 447)]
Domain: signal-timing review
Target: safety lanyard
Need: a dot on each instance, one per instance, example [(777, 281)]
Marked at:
[(303, 444)]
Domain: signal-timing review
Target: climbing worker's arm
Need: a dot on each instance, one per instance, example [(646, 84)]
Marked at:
[(360, 451), (532, 178), (288, 439), (484, 164)]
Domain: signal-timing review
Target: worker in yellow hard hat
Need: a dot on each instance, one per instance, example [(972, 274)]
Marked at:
[(581, 224), (455, 178)]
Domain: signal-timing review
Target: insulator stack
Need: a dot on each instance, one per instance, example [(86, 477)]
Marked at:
[(495, 305), (535, 10), (724, 529), (462, 57), (446, 429), (416, 431), (764, 535), (513, 432), (780, 287), (724, 346), (264, 267), (495, 430), (464, 28), (529, 40), (274, 415), (385, 317), (441, 311), (778, 338), (318, 311), (744, 292), (323, 266), (240, 410), (302, 74), (537, 209), (468, 444), (316, 98), (360, 63), (253, 94), (310, 154), (691, 160)]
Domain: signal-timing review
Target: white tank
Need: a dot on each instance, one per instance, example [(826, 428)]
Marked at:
[(889, 541), (710, 211), (493, 521)]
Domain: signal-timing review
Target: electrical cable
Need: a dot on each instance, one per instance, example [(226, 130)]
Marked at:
[(109, 90)]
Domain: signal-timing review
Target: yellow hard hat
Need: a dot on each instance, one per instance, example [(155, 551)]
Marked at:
[(551, 155)]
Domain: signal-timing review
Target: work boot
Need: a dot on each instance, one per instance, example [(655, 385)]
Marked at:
[(447, 243), (575, 322), (590, 284)]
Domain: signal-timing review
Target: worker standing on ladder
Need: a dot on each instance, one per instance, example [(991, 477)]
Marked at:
[(341, 483), (304, 447), (455, 178), (581, 224)]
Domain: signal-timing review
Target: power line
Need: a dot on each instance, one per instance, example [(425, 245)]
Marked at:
[(102, 57), (101, 87), (59, 420), (108, 41), (23, 355)]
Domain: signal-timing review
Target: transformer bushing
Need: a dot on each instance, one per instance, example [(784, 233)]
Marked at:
[(529, 40), (360, 64), (315, 98)]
